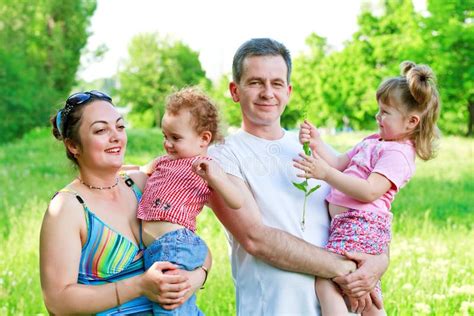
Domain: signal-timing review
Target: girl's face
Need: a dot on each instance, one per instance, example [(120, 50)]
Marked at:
[(102, 136), (180, 138), (393, 123)]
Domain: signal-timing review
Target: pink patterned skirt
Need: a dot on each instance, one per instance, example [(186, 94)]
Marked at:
[(360, 231)]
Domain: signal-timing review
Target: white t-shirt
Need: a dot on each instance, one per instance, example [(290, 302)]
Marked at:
[(267, 167)]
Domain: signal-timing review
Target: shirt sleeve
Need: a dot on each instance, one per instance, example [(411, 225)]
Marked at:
[(395, 166), (351, 152), (223, 154), (354, 150)]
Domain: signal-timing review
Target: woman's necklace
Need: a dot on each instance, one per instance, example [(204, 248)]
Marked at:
[(99, 188)]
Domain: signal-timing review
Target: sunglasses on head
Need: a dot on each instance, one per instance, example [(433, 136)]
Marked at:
[(75, 100), (83, 97)]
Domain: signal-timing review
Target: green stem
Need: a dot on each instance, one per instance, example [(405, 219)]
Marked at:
[(304, 212)]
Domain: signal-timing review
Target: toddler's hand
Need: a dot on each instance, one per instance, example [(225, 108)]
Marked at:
[(313, 167), (309, 133), (207, 169)]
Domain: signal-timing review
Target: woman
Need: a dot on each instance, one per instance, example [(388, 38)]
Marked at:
[(90, 245)]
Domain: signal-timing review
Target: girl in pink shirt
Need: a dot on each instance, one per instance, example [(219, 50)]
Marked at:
[(365, 180)]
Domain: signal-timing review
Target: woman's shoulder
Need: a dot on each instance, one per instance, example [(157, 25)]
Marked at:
[(139, 177), (65, 206)]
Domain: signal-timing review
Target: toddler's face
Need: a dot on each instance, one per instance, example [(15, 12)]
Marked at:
[(180, 138)]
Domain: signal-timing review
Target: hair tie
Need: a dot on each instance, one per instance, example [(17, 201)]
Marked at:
[(58, 122)]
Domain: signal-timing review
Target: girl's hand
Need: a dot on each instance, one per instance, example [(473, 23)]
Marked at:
[(163, 286), (313, 167), (309, 133)]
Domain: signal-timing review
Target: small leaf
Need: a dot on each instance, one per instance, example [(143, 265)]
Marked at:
[(313, 189), (300, 186), (306, 149)]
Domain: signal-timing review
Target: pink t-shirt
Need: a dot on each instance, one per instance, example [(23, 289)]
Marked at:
[(393, 160)]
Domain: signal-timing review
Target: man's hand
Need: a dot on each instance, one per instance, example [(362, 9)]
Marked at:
[(362, 282), (363, 303)]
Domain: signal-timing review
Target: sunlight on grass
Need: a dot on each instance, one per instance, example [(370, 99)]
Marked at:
[(431, 270)]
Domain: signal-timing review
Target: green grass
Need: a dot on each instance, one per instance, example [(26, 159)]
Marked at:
[(431, 270)]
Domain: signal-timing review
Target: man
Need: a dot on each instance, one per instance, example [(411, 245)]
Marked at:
[(273, 260)]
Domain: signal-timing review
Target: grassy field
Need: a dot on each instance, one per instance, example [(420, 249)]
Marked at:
[(431, 270)]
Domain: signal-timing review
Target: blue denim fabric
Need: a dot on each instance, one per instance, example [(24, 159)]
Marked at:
[(185, 249)]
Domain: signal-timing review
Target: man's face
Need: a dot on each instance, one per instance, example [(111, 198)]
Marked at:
[(263, 91)]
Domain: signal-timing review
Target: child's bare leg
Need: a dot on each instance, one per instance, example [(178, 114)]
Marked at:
[(330, 299)]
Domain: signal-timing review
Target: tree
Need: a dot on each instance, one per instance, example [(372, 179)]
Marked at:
[(334, 85), (157, 66), (449, 36), (40, 46), (229, 110)]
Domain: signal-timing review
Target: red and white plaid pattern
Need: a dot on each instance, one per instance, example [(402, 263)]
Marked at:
[(174, 193)]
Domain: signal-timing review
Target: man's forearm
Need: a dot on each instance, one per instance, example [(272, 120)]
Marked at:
[(276, 247), (288, 252)]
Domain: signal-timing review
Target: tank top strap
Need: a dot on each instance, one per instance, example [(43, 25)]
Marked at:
[(138, 194), (131, 184), (87, 212)]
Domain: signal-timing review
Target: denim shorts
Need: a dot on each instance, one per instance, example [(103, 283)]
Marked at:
[(181, 247), (186, 250)]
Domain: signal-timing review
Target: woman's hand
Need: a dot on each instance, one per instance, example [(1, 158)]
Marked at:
[(162, 283), (196, 279)]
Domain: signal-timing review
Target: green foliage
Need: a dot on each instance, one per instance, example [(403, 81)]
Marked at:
[(432, 222), (40, 45), (155, 68), (145, 119), (229, 109), (449, 37)]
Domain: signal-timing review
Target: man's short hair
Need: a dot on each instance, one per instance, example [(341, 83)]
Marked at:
[(259, 47)]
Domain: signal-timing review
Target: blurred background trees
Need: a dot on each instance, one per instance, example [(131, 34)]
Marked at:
[(40, 47), (156, 67), (332, 85), (41, 43)]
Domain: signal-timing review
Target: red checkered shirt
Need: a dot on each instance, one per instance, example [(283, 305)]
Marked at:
[(174, 193)]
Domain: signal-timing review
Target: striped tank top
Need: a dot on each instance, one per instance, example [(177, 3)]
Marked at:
[(107, 256)]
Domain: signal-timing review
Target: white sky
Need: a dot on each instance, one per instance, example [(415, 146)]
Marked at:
[(215, 28)]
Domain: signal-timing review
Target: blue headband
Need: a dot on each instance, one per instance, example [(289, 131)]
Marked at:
[(58, 122)]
